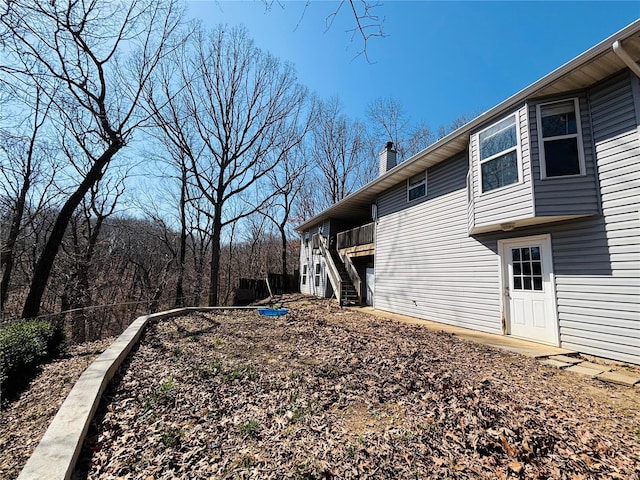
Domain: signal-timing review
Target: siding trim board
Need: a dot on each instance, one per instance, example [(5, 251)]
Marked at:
[(635, 89)]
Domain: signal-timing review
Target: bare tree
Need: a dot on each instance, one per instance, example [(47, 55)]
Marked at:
[(444, 130), (367, 24), (337, 151), (93, 60), (244, 107), (173, 129), (286, 182), (390, 122), (84, 232), (24, 157), (198, 244)]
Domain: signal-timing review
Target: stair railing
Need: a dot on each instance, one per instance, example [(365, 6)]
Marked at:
[(334, 275), (353, 275)]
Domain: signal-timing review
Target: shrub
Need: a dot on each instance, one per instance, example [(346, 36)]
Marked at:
[(23, 347)]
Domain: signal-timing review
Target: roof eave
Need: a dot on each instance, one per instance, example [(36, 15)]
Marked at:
[(513, 100)]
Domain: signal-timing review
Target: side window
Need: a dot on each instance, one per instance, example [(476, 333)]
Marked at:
[(560, 139), (317, 274), (499, 155), (304, 274), (417, 186)]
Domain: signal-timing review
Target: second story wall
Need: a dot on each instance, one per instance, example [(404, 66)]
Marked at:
[(570, 194), (501, 191)]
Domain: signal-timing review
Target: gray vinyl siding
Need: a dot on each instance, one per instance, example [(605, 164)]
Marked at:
[(310, 258), (597, 261), (508, 203), (597, 283), (426, 265), (565, 195)]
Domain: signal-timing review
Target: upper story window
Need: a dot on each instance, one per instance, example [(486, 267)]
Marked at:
[(498, 147), (560, 139), (417, 186)]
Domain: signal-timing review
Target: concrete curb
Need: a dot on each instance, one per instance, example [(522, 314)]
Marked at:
[(56, 455)]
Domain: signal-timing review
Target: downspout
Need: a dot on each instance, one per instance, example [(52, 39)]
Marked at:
[(625, 57)]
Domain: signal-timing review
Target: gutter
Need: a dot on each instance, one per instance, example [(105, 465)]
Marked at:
[(625, 57), (520, 96)]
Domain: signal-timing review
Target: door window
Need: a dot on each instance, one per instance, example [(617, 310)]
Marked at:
[(527, 268)]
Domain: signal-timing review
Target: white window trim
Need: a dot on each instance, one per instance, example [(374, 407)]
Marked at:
[(578, 136), (516, 147), (416, 185)]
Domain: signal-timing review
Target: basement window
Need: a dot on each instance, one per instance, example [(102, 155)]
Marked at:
[(304, 274), (560, 139), (317, 274), (417, 186)]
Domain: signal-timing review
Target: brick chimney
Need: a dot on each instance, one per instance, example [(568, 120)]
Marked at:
[(387, 158)]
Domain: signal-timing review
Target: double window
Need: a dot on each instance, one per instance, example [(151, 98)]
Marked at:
[(560, 139), (499, 152), (417, 186)]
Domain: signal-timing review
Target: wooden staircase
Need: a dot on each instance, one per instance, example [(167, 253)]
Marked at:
[(349, 294), (342, 274)]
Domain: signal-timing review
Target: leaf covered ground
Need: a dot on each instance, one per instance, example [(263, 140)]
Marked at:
[(330, 393), (24, 420)]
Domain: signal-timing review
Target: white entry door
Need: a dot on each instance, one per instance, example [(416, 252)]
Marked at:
[(529, 297)]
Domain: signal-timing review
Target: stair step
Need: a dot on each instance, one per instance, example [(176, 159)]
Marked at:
[(349, 295)]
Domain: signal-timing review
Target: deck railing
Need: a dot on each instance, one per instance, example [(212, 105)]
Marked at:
[(363, 235)]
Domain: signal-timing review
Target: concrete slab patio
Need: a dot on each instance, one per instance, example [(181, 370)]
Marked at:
[(553, 357), (516, 345)]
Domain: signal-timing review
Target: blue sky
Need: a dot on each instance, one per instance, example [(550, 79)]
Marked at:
[(440, 59)]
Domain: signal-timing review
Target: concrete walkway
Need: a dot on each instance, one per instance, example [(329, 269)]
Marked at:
[(554, 357)]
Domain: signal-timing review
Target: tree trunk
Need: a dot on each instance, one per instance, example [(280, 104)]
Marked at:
[(179, 300), (283, 238), (47, 257), (7, 257), (215, 258)]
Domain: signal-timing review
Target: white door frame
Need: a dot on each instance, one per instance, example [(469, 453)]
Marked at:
[(503, 263)]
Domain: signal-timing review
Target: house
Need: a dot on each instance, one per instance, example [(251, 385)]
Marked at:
[(524, 222)]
